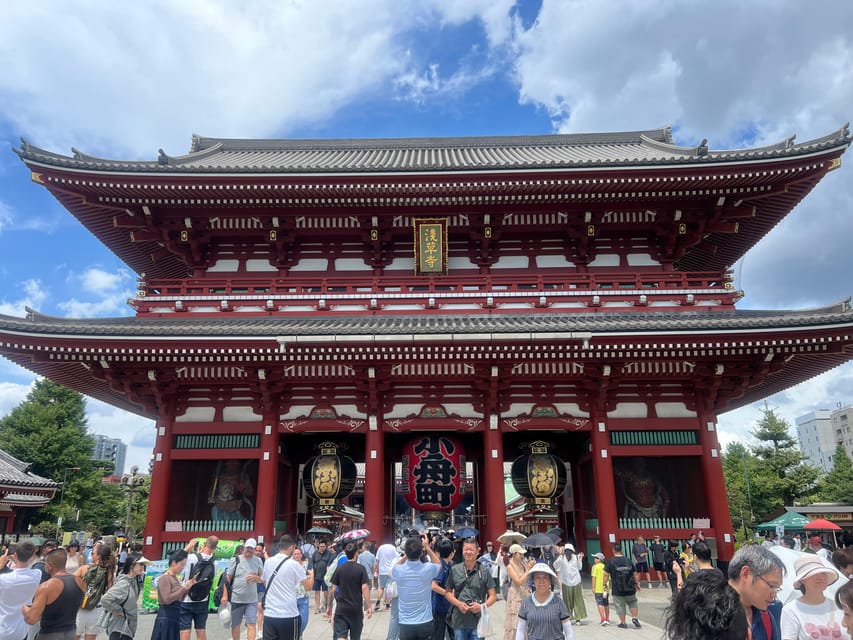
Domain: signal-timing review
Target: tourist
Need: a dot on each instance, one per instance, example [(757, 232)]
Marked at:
[(414, 589), (319, 563), (17, 588), (350, 585), (706, 608), (816, 546), (469, 589), (600, 588), (440, 605), (75, 558), (568, 566), (386, 556), (56, 601), (702, 557), (367, 559), (812, 613), (844, 601), (283, 573), (97, 579), (170, 592), (842, 558), (121, 601), (672, 567), (624, 588), (756, 574), (303, 598), (518, 571), (194, 611), (245, 572), (640, 553), (657, 550), (542, 613)]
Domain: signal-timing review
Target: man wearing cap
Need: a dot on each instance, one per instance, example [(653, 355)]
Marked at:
[(812, 614), (816, 546), (56, 601), (246, 573), (756, 574), (17, 588), (600, 588)]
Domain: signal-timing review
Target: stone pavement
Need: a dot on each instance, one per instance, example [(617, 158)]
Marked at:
[(653, 602)]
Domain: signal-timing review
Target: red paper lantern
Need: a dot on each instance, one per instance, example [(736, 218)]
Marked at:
[(433, 473)]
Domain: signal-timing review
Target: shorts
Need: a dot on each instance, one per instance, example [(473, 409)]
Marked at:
[(601, 600), (348, 625), (194, 614), (641, 567), (622, 603), (659, 567), (320, 585), (240, 611), (384, 579), (262, 589), (87, 621)]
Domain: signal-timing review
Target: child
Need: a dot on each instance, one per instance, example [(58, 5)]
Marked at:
[(600, 584)]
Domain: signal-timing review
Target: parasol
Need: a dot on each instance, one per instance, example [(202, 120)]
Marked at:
[(538, 540), (319, 531), (555, 533), (467, 532), (510, 537), (821, 524), (355, 534)]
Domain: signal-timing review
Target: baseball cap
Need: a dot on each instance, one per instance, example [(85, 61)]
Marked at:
[(251, 543), (598, 555)]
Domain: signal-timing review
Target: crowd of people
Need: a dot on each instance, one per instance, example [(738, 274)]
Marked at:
[(433, 588)]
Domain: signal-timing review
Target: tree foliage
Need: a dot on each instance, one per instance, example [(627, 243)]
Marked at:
[(837, 485), (49, 430)]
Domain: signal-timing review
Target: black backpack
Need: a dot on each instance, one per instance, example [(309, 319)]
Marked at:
[(203, 571), (622, 578)]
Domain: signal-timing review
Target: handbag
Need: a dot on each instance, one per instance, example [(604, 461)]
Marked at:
[(391, 590)]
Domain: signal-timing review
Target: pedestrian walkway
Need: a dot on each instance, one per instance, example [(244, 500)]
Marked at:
[(653, 602)]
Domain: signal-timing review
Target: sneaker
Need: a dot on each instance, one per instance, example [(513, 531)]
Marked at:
[(605, 623), (636, 623), (622, 625), (651, 586)]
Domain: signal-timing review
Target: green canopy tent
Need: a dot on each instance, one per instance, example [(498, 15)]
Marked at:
[(792, 520)]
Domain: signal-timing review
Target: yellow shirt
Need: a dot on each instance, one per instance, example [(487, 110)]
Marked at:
[(598, 577)]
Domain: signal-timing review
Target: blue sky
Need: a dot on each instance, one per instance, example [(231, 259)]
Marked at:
[(122, 80)]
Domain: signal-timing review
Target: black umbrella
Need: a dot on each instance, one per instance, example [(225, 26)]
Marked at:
[(556, 534), (320, 531), (538, 540), (467, 532)]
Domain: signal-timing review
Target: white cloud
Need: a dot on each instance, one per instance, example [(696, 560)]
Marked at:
[(96, 280), (109, 290), (11, 395), (34, 295)]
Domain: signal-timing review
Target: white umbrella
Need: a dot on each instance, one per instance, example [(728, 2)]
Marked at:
[(788, 557), (511, 537)]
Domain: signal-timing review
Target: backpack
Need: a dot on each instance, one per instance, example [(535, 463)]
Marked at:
[(203, 570), (330, 570), (95, 580), (622, 579), (220, 586)]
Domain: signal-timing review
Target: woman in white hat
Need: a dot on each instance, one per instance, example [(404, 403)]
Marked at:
[(568, 564), (543, 615), (518, 571), (813, 615)]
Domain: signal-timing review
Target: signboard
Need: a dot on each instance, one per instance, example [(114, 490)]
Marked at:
[(430, 246)]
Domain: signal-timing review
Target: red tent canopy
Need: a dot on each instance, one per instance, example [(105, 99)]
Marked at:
[(821, 524)]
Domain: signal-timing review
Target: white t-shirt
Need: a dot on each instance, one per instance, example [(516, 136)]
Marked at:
[(801, 621), (280, 600), (17, 588), (386, 556)]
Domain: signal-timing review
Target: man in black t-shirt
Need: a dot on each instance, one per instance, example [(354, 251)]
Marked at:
[(350, 589), (319, 563), (622, 586)]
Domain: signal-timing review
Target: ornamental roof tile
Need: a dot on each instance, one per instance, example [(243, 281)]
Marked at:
[(461, 154), (270, 327), (15, 473)]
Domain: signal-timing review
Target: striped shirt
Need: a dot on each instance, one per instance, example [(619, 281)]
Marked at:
[(544, 620)]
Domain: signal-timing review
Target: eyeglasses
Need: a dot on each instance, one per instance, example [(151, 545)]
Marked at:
[(773, 588)]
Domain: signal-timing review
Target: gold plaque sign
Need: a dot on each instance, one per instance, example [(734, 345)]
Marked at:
[(430, 246)]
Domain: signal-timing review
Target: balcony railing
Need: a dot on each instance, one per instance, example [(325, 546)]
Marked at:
[(579, 292)]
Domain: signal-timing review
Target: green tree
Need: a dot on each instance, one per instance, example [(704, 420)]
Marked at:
[(791, 477), (837, 485)]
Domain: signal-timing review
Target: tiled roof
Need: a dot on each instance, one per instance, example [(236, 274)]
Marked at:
[(14, 472), (463, 154), (273, 326)]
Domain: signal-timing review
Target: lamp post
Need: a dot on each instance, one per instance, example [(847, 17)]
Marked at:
[(130, 482), (62, 498)]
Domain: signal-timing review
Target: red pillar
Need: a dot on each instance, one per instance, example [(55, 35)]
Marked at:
[(605, 487), (265, 494), (715, 487), (492, 482), (374, 483), (158, 499)]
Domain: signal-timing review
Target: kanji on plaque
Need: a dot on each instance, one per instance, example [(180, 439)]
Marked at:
[(430, 246), (433, 473)]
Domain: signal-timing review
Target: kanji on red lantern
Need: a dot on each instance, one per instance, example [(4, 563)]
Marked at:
[(433, 473)]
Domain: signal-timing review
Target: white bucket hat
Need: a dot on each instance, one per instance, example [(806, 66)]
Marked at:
[(541, 567)]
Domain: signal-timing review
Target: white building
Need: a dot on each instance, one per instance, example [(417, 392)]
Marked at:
[(821, 431), (111, 449)]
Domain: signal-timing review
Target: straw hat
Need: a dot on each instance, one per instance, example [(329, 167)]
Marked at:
[(810, 565)]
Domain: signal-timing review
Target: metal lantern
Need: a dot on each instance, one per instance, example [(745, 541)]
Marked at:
[(329, 478), (433, 474), (539, 476)]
